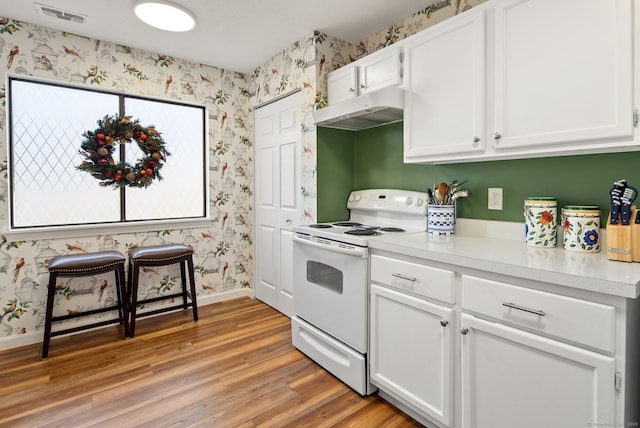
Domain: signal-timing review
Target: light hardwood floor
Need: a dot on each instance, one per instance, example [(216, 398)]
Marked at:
[(235, 367)]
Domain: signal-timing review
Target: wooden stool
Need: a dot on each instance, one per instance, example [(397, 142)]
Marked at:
[(161, 255), (77, 265)]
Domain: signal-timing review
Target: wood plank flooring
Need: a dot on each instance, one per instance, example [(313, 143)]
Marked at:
[(235, 367)]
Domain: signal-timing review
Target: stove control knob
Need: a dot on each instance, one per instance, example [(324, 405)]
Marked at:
[(409, 200), (419, 202), (351, 197), (358, 197)]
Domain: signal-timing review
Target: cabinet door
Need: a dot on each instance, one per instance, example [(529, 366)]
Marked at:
[(445, 95), (342, 84), (563, 75), (380, 69), (511, 378), (411, 353)]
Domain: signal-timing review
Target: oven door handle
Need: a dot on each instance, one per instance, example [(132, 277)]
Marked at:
[(349, 250)]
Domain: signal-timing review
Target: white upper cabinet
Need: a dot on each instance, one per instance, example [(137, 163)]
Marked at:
[(342, 84), (563, 74), (380, 69), (445, 93), (558, 80), (376, 71)]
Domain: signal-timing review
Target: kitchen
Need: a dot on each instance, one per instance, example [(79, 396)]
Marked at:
[(375, 161)]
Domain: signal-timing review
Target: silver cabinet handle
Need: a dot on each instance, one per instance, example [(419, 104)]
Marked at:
[(522, 308), (289, 221), (406, 278), (464, 331), (476, 139), (363, 86), (444, 323), (351, 90), (497, 136)]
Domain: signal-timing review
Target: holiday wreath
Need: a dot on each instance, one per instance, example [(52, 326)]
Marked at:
[(99, 145)]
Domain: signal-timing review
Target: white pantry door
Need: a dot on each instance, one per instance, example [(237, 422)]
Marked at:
[(277, 180)]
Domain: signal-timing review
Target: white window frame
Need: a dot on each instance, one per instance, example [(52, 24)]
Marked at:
[(86, 229)]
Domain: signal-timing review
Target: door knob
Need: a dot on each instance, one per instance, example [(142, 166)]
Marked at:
[(444, 323), (464, 330)]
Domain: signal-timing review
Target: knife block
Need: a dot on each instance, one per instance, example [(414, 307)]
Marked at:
[(623, 242)]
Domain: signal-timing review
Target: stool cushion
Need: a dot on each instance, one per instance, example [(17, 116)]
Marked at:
[(85, 262), (160, 252)]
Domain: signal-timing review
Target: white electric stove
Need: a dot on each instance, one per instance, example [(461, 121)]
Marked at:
[(374, 213), (331, 282)]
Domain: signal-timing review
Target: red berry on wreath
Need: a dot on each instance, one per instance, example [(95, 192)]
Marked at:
[(152, 164), (149, 171), (102, 162), (100, 136), (143, 136)]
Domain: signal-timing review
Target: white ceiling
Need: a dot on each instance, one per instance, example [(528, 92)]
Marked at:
[(236, 35)]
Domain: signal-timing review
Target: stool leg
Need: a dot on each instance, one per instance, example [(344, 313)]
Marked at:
[(134, 273), (122, 298), (51, 291), (183, 279), (192, 282)]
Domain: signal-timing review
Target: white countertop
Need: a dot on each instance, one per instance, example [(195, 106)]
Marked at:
[(586, 271)]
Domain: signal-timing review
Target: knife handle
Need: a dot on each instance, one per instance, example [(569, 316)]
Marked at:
[(625, 216)]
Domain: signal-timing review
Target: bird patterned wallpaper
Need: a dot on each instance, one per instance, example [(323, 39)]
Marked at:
[(223, 251)]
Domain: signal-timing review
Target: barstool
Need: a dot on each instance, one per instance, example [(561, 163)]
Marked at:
[(77, 265), (161, 255)]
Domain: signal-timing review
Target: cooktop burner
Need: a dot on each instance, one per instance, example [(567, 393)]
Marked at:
[(391, 229), (360, 232), (347, 224), (320, 226)]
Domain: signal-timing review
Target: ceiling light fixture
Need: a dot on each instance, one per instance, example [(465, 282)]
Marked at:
[(164, 15)]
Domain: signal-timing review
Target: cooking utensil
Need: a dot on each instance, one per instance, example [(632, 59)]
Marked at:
[(430, 195), (616, 196), (629, 195), (443, 193), (442, 189), (462, 193)]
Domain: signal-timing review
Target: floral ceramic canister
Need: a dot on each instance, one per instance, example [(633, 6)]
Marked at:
[(540, 214), (581, 225)]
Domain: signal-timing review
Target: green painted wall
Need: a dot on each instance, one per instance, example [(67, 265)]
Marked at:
[(377, 163), (335, 173)]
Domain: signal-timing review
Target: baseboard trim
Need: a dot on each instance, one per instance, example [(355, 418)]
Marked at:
[(17, 341)]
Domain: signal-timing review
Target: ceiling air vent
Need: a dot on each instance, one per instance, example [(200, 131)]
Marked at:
[(54, 12)]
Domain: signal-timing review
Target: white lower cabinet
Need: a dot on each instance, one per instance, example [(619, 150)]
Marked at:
[(512, 378), (456, 347), (411, 353)]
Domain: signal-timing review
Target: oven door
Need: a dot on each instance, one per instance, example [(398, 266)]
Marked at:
[(330, 288)]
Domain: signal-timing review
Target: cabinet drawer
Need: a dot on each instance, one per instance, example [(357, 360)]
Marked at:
[(580, 321), (419, 279)]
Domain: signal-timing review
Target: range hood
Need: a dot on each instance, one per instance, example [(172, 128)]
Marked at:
[(365, 111)]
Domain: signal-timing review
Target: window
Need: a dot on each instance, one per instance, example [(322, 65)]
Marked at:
[(46, 123)]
